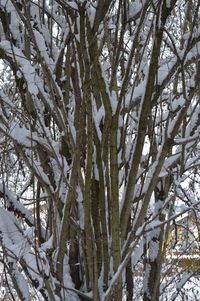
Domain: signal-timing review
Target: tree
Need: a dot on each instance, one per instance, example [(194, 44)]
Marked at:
[(99, 108)]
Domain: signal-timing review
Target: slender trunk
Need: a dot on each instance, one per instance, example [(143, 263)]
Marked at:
[(129, 273)]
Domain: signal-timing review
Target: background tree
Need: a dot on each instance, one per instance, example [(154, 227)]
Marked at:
[(99, 108)]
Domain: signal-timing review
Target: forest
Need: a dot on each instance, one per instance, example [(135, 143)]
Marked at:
[(99, 150)]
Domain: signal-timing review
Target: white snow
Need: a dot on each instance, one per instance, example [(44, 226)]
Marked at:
[(91, 11)]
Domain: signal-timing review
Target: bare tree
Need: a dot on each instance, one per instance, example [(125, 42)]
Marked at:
[(99, 125)]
